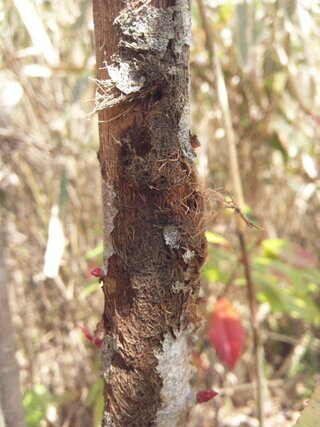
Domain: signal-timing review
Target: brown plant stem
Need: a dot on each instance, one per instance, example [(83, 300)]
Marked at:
[(153, 209), (222, 96)]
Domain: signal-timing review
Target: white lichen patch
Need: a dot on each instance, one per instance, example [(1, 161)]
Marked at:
[(109, 346), (108, 197), (179, 287), (151, 30), (107, 420), (175, 371), (126, 77), (183, 132), (171, 236), (188, 255)]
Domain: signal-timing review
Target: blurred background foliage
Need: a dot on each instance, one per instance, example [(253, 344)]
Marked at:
[(51, 207)]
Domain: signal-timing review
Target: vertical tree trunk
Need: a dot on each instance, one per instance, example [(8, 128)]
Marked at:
[(153, 210), (10, 396)]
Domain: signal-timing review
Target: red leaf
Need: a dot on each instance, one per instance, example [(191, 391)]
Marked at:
[(226, 332), (205, 395)]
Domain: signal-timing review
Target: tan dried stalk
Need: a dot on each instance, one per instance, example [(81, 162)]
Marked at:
[(223, 101)]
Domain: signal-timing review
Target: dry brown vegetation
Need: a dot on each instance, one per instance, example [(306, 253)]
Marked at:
[(270, 57)]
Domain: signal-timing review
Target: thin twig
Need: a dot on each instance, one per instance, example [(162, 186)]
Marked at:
[(222, 97)]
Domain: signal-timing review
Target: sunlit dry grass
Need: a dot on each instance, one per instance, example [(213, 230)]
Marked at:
[(48, 160)]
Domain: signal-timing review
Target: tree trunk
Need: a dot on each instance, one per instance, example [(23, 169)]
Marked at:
[(10, 396), (153, 210)]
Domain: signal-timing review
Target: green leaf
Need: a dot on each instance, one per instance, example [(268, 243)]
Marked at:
[(273, 247), (277, 145), (36, 402), (218, 266), (285, 299), (311, 414), (268, 293), (98, 410), (95, 392), (289, 253), (96, 252), (211, 274), (226, 11), (282, 273), (89, 289), (279, 81), (312, 276), (217, 239), (95, 399)]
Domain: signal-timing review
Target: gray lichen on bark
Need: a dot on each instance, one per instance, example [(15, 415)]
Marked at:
[(149, 31), (126, 76), (107, 420), (108, 348), (183, 132), (182, 19), (108, 196)]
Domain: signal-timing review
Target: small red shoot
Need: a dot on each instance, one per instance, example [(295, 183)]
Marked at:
[(205, 395), (89, 335)]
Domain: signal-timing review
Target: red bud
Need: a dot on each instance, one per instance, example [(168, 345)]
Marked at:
[(97, 272), (98, 342), (205, 395)]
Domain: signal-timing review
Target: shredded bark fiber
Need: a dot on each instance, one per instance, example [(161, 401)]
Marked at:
[(153, 210)]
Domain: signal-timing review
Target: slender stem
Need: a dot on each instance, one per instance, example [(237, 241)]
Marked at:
[(223, 100), (10, 395), (258, 349)]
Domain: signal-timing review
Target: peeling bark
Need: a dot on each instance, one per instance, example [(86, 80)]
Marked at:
[(153, 210)]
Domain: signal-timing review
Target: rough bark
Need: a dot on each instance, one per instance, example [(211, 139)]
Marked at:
[(153, 210), (10, 396)]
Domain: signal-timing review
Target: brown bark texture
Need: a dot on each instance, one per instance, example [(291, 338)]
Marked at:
[(153, 210), (10, 396)]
